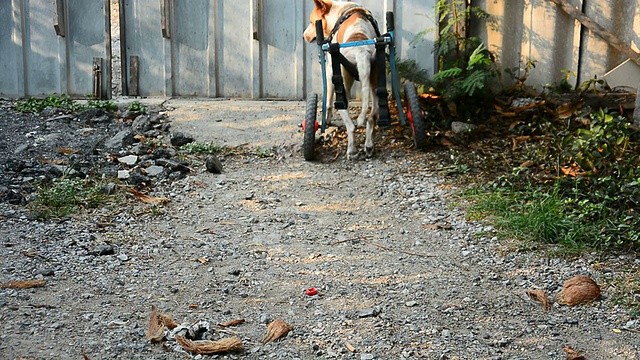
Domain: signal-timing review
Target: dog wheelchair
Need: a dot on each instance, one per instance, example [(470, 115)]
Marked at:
[(414, 114)]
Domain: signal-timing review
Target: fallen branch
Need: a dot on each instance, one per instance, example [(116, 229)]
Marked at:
[(351, 239)]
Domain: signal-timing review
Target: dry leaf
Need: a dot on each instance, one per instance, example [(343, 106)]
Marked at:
[(539, 295), (527, 164), (202, 260), (168, 321), (276, 330), (67, 151), (232, 323), (24, 284), (54, 161), (579, 289), (140, 138), (207, 347), (193, 306), (572, 354), (148, 199), (155, 332)]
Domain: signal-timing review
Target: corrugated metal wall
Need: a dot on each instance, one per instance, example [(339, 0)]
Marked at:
[(244, 48), (36, 61), (254, 48), (539, 30)]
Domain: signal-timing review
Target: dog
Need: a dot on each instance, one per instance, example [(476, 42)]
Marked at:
[(356, 25)]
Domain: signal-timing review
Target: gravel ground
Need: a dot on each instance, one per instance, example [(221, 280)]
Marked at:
[(399, 270)]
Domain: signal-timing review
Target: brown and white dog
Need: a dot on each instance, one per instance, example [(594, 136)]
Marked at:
[(356, 27)]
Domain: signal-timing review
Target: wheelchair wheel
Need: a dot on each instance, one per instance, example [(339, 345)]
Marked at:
[(309, 127), (414, 113)]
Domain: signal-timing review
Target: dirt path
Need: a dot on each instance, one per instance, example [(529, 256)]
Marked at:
[(400, 272)]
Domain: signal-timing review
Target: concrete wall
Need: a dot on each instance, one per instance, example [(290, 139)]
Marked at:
[(538, 30)]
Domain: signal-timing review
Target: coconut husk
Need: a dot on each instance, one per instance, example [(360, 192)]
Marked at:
[(579, 289), (540, 296), (572, 354), (207, 347), (276, 330), (155, 331)]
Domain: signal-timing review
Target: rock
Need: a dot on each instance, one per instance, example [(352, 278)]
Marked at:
[(45, 272), (179, 139), (213, 164), (163, 153), (128, 114), (368, 312), (138, 178), (120, 140), (460, 127), (129, 160), (109, 189), (142, 124), (174, 165), (101, 250), (123, 174), (155, 170), (90, 114)]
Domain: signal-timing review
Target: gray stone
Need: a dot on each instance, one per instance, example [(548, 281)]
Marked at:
[(141, 124), (179, 139), (122, 139), (214, 165), (154, 170), (109, 189), (459, 127), (129, 159), (101, 250), (368, 312), (174, 165), (45, 272), (163, 153), (123, 174)]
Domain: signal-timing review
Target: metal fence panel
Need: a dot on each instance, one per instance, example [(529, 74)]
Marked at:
[(36, 61), (10, 54), (142, 37)]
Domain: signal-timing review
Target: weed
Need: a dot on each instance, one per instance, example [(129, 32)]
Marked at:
[(35, 106), (64, 102), (533, 214), (106, 105), (626, 291), (136, 106), (65, 196)]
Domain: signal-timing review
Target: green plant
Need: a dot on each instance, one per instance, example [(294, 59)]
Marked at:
[(202, 148), (137, 106), (468, 80), (35, 106), (65, 196), (533, 214), (64, 102), (106, 105)]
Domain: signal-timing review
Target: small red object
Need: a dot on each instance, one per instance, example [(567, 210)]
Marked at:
[(311, 291)]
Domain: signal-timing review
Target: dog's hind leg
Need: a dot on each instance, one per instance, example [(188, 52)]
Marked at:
[(364, 68), (352, 151)]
